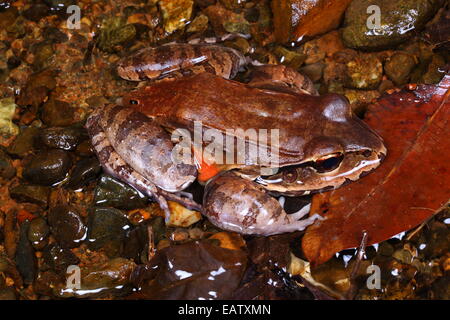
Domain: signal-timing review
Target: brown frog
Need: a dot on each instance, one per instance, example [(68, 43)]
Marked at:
[(321, 145)]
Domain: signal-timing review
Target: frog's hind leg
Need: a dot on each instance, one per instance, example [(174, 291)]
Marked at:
[(114, 165), (236, 204), (281, 78), (156, 63)]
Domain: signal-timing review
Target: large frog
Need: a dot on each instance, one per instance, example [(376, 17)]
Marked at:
[(321, 145)]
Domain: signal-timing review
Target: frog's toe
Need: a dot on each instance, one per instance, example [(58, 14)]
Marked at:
[(300, 213)]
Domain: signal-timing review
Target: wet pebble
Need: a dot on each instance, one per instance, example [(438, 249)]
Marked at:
[(107, 230), (36, 12), (7, 170), (65, 138), (66, 226), (54, 35), (47, 167), (114, 35), (13, 62), (85, 149), (176, 13), (399, 19), (38, 233), (25, 258), (24, 142), (96, 280), (114, 193), (398, 68), (57, 113), (59, 258), (30, 193), (85, 171)]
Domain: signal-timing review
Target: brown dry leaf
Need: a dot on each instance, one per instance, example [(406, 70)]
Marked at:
[(408, 188), (295, 19)]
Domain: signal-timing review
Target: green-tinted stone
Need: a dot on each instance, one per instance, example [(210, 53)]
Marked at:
[(107, 228), (399, 19), (114, 193), (398, 68)]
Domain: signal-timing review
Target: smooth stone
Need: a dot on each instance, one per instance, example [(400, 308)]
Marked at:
[(107, 228), (85, 171), (59, 258), (38, 232), (65, 138), (25, 257), (114, 193), (30, 193), (47, 167), (66, 226)]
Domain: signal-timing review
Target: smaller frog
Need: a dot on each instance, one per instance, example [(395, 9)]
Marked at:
[(322, 145)]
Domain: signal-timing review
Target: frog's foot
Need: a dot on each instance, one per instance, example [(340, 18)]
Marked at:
[(236, 204), (185, 201), (281, 78)]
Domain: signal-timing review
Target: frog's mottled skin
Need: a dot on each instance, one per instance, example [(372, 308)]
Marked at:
[(132, 145)]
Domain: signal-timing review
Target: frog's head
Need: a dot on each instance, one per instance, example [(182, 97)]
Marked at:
[(341, 149)]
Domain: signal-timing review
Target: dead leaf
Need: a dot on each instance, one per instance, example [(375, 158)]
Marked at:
[(192, 270), (306, 18), (408, 188)]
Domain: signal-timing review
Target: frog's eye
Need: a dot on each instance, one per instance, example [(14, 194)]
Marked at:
[(328, 162), (135, 102)]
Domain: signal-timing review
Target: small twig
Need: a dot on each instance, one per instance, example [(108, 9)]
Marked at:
[(151, 243), (10, 233), (359, 257)]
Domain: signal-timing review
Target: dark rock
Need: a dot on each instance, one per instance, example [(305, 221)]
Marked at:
[(47, 281), (47, 167), (38, 232), (59, 258), (13, 62), (67, 226), (54, 35), (113, 193), (7, 17), (85, 171), (66, 138), (85, 149), (8, 294), (7, 171), (36, 12), (25, 258), (59, 6), (30, 193), (57, 113), (24, 142), (107, 228)]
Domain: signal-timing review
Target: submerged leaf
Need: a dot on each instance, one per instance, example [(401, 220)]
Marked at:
[(408, 188), (192, 270)]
